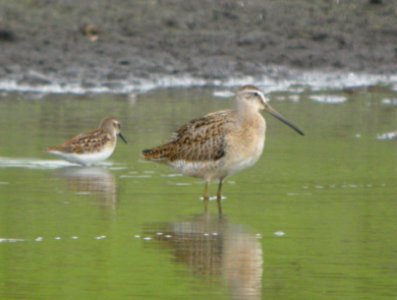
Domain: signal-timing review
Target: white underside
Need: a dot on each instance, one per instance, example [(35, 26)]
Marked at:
[(85, 159), (224, 167), (203, 169), (242, 164)]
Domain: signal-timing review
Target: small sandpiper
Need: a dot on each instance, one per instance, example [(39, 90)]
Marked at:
[(91, 147), (221, 143)]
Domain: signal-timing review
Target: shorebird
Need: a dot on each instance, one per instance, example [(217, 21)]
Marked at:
[(91, 147), (221, 143)]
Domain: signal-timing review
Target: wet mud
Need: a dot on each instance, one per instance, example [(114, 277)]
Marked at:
[(88, 41)]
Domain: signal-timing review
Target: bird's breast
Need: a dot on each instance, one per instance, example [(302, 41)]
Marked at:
[(245, 146)]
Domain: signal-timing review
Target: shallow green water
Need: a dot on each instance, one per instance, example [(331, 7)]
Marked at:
[(315, 218)]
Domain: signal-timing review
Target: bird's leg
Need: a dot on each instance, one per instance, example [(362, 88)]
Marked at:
[(219, 196), (205, 196), (219, 193)]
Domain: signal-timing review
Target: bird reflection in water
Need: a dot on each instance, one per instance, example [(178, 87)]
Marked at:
[(212, 247), (94, 181)]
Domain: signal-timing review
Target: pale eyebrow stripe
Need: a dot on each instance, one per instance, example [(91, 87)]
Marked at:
[(260, 93)]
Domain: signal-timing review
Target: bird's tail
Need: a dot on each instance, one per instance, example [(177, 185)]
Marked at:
[(157, 153), (51, 149)]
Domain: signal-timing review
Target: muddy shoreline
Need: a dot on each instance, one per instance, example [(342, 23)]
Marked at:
[(90, 42)]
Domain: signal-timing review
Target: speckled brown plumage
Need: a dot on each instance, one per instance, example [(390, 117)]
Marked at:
[(91, 147), (220, 143), (91, 141), (201, 139)]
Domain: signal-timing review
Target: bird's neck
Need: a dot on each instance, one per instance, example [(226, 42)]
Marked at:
[(248, 113)]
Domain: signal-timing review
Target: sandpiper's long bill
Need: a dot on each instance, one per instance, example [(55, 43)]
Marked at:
[(221, 143)]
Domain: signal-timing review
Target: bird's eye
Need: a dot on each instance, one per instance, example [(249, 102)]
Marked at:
[(256, 94)]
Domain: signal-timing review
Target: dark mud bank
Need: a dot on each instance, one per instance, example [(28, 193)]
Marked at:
[(87, 42)]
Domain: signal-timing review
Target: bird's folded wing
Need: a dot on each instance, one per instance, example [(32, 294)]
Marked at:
[(202, 139), (85, 142)]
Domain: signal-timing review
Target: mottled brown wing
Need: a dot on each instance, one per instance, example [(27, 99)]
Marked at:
[(199, 140), (84, 142)]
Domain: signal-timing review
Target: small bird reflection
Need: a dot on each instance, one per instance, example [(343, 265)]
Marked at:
[(215, 248), (93, 180)]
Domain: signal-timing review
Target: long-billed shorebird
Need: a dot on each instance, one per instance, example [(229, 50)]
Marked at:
[(221, 143), (91, 147)]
